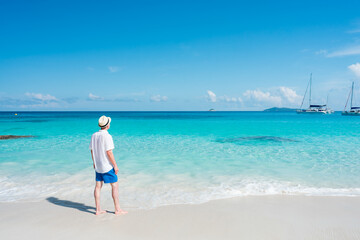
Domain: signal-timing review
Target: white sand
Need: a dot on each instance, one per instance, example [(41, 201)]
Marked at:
[(265, 217)]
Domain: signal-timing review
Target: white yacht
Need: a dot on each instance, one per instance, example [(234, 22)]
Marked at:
[(313, 108), (354, 111)]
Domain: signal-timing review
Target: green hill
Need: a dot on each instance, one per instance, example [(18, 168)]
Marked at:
[(276, 109)]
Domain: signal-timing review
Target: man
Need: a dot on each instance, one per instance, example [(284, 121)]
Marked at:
[(106, 169)]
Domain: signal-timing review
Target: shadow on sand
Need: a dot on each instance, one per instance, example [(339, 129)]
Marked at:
[(65, 203)]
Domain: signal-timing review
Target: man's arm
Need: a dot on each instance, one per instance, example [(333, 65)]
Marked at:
[(112, 160), (92, 156)]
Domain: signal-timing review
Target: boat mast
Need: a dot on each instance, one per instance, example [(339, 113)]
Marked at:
[(307, 87), (310, 89), (347, 100), (352, 94), (327, 100)]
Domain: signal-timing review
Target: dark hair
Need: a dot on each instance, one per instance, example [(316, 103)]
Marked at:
[(103, 127)]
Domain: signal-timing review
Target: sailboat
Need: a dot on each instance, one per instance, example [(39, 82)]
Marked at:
[(319, 109), (354, 111)]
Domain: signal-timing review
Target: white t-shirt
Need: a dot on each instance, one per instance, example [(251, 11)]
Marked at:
[(101, 142)]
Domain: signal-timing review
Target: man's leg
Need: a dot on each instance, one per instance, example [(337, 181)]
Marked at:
[(115, 196), (97, 197)]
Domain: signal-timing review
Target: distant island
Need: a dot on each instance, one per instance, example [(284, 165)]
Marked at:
[(276, 109)]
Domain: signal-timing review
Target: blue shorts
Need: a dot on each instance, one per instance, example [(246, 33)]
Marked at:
[(108, 177)]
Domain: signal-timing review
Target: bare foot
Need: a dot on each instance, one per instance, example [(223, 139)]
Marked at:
[(121, 212), (100, 212)]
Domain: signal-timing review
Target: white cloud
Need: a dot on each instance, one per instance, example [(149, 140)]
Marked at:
[(259, 99), (32, 100), (230, 99), (158, 98), (211, 96), (355, 50), (258, 96), (114, 69), (289, 95), (93, 97), (355, 68), (280, 96), (41, 97)]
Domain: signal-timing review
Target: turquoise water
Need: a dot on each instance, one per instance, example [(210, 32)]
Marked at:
[(181, 157)]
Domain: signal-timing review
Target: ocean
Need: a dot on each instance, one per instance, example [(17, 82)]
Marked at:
[(181, 157)]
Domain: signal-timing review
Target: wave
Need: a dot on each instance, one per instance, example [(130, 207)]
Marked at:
[(142, 191)]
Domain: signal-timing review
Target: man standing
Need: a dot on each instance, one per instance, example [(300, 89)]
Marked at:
[(106, 170)]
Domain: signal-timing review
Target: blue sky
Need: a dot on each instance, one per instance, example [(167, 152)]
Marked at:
[(176, 55)]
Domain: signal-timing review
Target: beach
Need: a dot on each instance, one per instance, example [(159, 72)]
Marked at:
[(265, 217)]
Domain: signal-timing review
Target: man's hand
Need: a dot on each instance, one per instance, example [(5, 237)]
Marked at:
[(92, 157), (112, 160)]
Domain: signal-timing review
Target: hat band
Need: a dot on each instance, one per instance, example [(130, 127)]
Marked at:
[(106, 123)]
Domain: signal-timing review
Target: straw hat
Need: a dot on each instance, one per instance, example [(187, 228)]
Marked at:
[(104, 121)]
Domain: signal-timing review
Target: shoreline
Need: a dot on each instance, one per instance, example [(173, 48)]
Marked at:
[(251, 217)]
